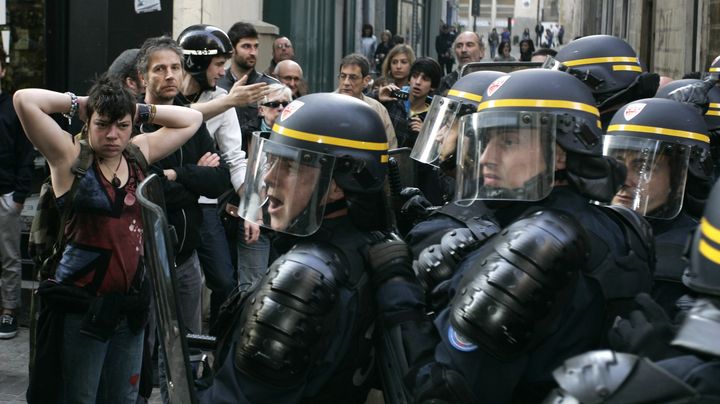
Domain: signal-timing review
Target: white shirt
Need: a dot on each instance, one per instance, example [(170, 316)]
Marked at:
[(225, 131)]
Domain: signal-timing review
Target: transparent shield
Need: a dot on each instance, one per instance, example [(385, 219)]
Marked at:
[(437, 137), (160, 262), (285, 187), (656, 174), (506, 155)]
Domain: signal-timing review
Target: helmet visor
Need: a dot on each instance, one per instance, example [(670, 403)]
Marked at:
[(505, 155), (438, 136), (656, 174), (285, 187)]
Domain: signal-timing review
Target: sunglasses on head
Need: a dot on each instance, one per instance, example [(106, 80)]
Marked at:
[(275, 104)]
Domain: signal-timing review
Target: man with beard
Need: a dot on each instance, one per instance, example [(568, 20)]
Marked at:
[(244, 39)]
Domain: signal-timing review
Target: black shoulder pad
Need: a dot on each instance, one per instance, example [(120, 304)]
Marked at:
[(518, 281), (289, 317), (626, 276)]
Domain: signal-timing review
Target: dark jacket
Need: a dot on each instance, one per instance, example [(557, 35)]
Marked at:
[(16, 153), (181, 195), (247, 116)]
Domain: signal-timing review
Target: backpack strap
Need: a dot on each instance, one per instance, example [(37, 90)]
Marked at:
[(136, 155), (79, 169)]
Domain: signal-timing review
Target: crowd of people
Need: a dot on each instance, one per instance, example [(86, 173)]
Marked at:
[(438, 235)]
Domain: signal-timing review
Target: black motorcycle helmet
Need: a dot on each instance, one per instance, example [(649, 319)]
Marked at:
[(577, 123), (200, 44), (612, 70)]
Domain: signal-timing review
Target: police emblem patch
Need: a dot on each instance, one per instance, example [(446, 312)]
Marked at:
[(495, 85), (632, 110), (459, 342), (290, 109)]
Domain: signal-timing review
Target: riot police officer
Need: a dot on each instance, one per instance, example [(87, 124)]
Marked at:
[(436, 145), (302, 335), (612, 70), (543, 288), (614, 377), (661, 142)]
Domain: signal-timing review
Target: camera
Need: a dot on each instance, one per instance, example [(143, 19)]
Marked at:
[(400, 94)]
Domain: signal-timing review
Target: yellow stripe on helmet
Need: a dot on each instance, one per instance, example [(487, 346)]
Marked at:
[(335, 141), (626, 68), (710, 231), (659, 131), (592, 61), (466, 95), (709, 252), (578, 106)]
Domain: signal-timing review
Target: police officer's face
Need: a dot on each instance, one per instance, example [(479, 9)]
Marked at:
[(511, 157), (290, 185), (647, 183), (245, 55), (163, 77), (468, 49), (400, 67), (447, 137), (216, 70)]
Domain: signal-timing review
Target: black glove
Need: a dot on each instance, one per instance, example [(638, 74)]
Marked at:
[(388, 259), (647, 332), (415, 204), (695, 94)]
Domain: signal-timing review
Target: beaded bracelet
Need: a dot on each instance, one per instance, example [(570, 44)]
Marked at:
[(74, 106)]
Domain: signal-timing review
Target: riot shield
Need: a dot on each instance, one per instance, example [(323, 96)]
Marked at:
[(160, 261), (504, 67)]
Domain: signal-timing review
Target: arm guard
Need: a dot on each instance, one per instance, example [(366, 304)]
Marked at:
[(438, 262), (508, 292), (289, 318)]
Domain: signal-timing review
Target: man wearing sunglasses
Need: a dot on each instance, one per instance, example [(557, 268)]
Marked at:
[(270, 108)]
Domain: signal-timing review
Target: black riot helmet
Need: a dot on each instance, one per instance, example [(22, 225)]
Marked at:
[(715, 66), (200, 44), (437, 140), (612, 70), (317, 138), (701, 174), (703, 273), (658, 140), (533, 109), (712, 116)]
